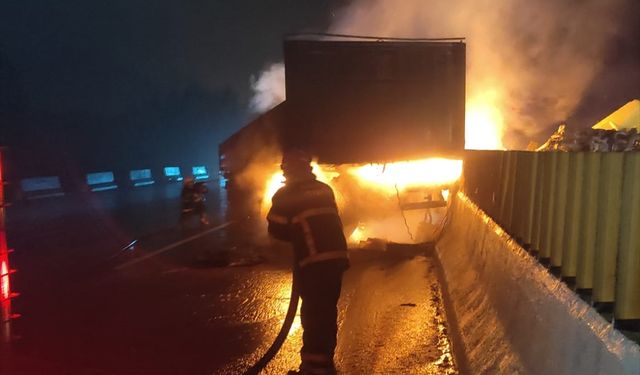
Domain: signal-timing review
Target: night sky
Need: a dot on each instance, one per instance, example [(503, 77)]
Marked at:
[(116, 85), (125, 83)]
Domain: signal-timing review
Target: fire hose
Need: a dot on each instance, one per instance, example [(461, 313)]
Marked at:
[(284, 331)]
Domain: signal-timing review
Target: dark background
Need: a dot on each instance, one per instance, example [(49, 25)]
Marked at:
[(117, 85)]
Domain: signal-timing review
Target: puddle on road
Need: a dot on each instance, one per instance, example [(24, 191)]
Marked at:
[(391, 315), (391, 319)]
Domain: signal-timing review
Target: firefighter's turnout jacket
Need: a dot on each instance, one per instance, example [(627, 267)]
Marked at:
[(304, 212)]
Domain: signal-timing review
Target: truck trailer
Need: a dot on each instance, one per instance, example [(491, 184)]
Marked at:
[(350, 100), (381, 117)]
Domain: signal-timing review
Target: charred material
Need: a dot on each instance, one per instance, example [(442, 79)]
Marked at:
[(594, 140)]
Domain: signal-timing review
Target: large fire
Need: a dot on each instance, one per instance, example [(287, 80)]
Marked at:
[(405, 174), (276, 181), (484, 125), (385, 182)]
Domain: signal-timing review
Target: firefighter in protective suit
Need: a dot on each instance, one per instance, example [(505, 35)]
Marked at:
[(304, 213)]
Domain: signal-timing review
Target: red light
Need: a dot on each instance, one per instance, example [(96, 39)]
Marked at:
[(4, 280)]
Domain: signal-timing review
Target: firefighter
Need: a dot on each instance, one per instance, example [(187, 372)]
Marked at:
[(199, 198), (186, 197), (193, 200), (304, 213)]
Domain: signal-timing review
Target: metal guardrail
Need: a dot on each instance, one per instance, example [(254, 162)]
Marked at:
[(53, 186), (577, 212)]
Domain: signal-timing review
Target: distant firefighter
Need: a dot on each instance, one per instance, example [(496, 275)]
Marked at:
[(193, 198), (304, 213)]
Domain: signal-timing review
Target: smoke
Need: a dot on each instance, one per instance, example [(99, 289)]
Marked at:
[(268, 88), (534, 59), (529, 63)]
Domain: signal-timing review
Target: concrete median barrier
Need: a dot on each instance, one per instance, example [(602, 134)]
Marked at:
[(511, 315)]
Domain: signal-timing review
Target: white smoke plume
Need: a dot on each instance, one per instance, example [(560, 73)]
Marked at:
[(533, 60), (268, 88)]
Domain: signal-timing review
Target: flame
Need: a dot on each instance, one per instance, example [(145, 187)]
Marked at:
[(445, 194), (358, 235), (400, 175), (276, 181), (484, 126), (409, 178), (273, 184), (404, 174)]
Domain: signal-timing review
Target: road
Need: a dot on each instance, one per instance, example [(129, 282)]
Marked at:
[(210, 306)]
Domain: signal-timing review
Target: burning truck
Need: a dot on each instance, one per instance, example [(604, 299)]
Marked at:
[(385, 119)]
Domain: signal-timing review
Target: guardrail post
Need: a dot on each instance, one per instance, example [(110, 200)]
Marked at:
[(494, 165), (627, 295), (518, 195), (559, 209), (523, 197), (550, 160), (608, 227), (588, 222), (506, 189), (572, 220), (536, 224), (511, 199), (529, 197)]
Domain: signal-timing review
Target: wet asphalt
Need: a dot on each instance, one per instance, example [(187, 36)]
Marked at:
[(209, 306)]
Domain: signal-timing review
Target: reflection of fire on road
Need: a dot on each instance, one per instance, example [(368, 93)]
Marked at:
[(284, 294)]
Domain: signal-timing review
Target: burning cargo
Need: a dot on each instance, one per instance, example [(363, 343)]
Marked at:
[(382, 116)]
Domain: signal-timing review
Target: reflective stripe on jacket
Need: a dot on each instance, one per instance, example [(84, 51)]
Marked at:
[(305, 214)]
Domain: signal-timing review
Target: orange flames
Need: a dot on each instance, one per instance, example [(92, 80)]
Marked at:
[(276, 181), (484, 130), (383, 181), (484, 125), (406, 174)]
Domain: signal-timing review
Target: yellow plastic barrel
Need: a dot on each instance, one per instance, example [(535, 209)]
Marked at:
[(572, 229), (627, 302), (550, 161), (559, 208), (588, 220), (608, 227)]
